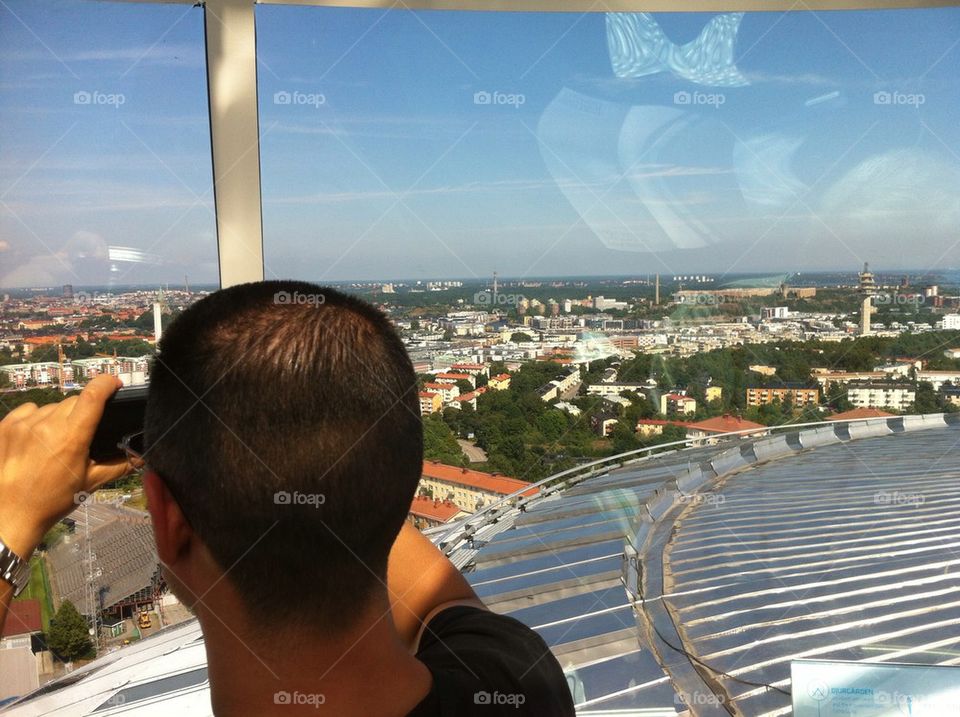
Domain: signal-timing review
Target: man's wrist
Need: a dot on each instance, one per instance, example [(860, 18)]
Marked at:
[(22, 541)]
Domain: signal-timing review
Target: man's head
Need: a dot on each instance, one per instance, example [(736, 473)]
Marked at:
[(283, 417)]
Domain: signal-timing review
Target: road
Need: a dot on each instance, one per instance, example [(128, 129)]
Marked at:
[(474, 454)]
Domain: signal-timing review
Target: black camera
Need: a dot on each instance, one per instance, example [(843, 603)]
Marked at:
[(123, 414)]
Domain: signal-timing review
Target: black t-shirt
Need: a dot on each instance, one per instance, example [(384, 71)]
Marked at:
[(487, 665)]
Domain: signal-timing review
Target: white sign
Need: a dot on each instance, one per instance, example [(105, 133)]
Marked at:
[(830, 688)]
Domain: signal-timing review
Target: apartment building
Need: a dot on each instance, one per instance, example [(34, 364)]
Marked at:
[(799, 395), (468, 489), (429, 402), (677, 403), (890, 396)]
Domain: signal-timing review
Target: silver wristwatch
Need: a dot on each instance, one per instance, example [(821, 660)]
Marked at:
[(13, 569)]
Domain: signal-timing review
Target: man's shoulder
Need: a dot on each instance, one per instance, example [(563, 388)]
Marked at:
[(479, 658)]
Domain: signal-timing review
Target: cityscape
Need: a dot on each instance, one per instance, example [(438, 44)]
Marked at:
[(681, 292), (519, 379)]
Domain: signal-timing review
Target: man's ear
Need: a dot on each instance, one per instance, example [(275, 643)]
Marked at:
[(171, 530)]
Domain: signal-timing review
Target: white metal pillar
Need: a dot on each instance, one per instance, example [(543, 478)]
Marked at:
[(234, 137)]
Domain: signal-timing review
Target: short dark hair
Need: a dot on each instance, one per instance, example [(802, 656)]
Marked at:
[(283, 416)]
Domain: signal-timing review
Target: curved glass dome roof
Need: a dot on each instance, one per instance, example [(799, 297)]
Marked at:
[(695, 575)]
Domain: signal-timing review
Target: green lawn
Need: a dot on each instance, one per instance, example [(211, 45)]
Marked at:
[(39, 589)]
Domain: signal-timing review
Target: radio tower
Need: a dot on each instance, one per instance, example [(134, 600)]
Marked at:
[(91, 573), (494, 288), (868, 288)]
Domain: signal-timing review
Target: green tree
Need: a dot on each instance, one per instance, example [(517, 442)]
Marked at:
[(439, 443), (519, 337), (926, 401), (69, 635)]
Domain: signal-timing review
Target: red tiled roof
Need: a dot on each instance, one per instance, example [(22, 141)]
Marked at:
[(439, 386), (427, 507), (23, 618), (860, 413), (475, 479), (457, 376), (427, 394), (660, 422), (501, 377), (725, 424)]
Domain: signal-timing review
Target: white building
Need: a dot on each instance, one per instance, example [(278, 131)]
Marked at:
[(614, 389), (775, 312), (938, 378), (891, 396), (951, 322)]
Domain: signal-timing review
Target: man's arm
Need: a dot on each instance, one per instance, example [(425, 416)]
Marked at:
[(421, 581), (44, 463)]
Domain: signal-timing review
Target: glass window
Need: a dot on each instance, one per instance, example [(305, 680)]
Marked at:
[(105, 175), (437, 145)]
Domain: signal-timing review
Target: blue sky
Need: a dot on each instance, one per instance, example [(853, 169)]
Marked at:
[(606, 147)]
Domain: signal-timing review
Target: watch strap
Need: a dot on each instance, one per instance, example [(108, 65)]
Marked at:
[(14, 569)]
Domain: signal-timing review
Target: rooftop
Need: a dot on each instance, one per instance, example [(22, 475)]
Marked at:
[(725, 424), (503, 485), (427, 507), (859, 413), (23, 618)]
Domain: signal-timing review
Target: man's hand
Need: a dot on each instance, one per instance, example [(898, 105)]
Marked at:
[(45, 463)]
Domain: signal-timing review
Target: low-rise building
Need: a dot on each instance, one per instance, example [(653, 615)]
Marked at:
[(500, 382), (604, 422), (614, 388), (677, 403), (427, 512), (891, 396), (447, 391), (454, 377), (938, 378), (474, 369), (429, 402), (799, 395), (708, 432), (950, 394), (826, 377), (649, 427), (859, 413), (713, 393), (469, 489), (568, 407)]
